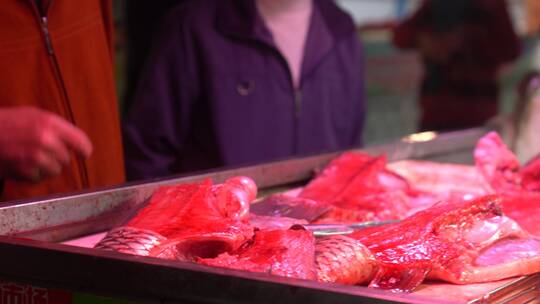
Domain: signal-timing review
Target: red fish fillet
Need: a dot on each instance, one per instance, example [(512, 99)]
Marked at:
[(359, 188), (524, 208), (336, 176), (458, 242), (530, 175), (289, 253), (190, 220), (519, 186)]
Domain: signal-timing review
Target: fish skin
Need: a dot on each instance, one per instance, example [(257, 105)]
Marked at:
[(130, 240), (341, 259)]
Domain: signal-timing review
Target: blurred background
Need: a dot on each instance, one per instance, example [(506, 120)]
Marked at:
[(392, 76)]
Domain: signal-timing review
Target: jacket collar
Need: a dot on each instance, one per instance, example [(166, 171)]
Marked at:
[(42, 6), (240, 19)]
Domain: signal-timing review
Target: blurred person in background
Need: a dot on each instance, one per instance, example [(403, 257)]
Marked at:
[(463, 44), (532, 17), (532, 30), (519, 129), (526, 118), (59, 124), (248, 81)]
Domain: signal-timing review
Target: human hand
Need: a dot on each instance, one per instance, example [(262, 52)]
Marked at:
[(36, 144)]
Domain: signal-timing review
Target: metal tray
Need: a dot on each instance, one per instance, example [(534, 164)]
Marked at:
[(31, 251)]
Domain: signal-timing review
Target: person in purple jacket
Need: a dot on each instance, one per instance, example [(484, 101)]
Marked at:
[(235, 82)]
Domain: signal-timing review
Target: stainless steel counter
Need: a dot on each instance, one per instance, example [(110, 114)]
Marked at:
[(31, 232)]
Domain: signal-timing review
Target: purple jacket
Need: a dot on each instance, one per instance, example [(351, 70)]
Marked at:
[(217, 92)]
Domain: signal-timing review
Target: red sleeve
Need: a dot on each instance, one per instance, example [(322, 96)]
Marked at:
[(491, 35)]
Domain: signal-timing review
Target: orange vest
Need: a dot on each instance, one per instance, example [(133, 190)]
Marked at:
[(69, 73)]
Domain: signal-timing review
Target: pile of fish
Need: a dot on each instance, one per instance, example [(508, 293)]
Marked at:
[(455, 223)]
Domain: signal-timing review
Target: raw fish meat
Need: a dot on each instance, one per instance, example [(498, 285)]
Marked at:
[(289, 253), (502, 169), (365, 189), (530, 175), (336, 176), (524, 208), (434, 182), (459, 242), (188, 221), (443, 179), (518, 185), (463, 234), (381, 206), (359, 188)]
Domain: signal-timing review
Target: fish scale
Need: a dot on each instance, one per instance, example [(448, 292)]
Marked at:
[(131, 240), (341, 259)]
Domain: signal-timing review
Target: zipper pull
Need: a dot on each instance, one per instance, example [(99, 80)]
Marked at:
[(297, 103), (45, 28)]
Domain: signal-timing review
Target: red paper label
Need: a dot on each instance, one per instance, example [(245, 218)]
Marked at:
[(15, 293)]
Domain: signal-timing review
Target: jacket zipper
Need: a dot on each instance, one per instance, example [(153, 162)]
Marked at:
[(45, 29), (297, 103), (297, 109), (44, 22), (296, 92), (297, 97)]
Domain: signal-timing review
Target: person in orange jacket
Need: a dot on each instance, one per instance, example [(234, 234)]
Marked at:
[(59, 122)]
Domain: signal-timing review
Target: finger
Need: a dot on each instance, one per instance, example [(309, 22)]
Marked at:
[(22, 173), (73, 137), (47, 165), (28, 172), (52, 144)]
